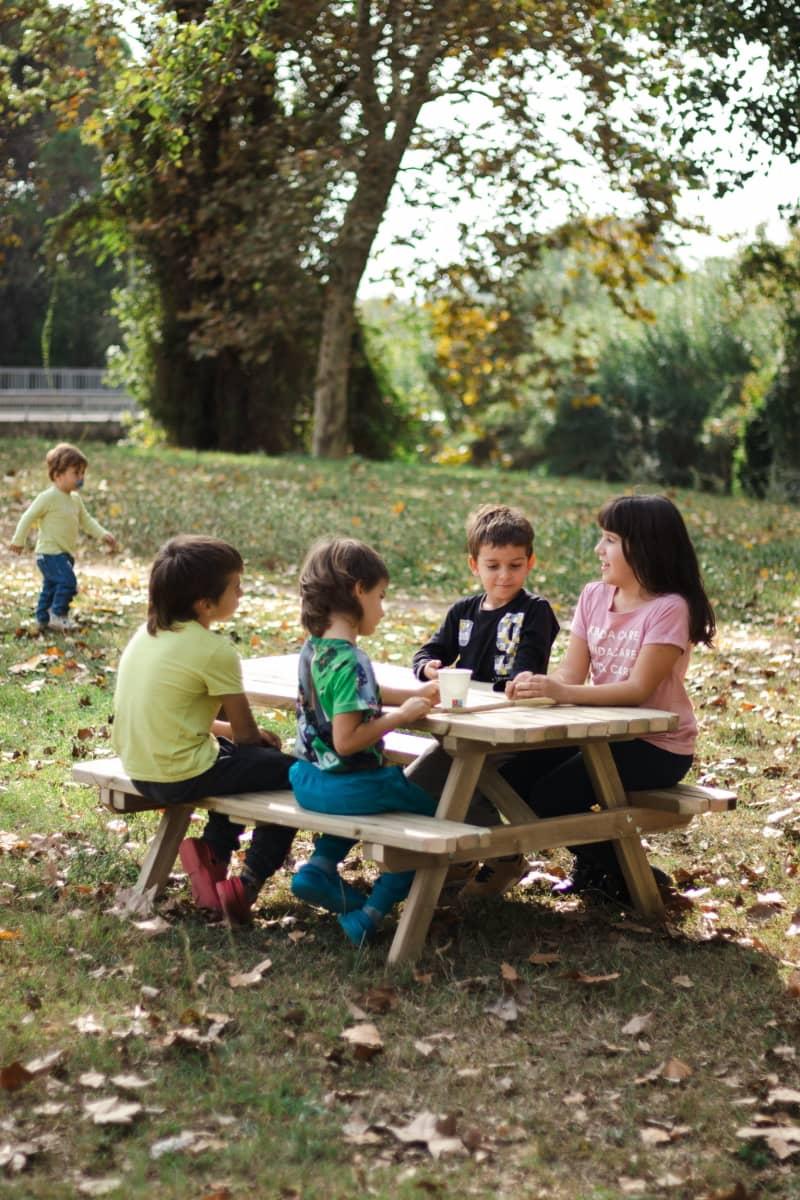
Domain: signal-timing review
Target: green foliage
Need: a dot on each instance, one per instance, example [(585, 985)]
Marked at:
[(772, 462), (52, 307), (657, 383), (669, 396)]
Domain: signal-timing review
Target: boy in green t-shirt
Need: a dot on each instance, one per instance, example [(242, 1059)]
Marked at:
[(60, 514), (174, 677)]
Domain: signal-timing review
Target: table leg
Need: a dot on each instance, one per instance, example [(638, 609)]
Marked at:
[(629, 850), (412, 928), (163, 850), (503, 796)]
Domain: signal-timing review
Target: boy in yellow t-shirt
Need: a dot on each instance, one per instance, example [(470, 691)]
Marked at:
[(60, 514), (173, 678)]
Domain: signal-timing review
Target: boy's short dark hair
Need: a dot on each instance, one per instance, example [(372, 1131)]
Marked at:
[(186, 569), (328, 578), (62, 457), (498, 525)]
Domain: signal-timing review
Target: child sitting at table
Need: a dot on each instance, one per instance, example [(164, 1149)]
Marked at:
[(497, 632), (340, 767), (174, 676), (632, 635)]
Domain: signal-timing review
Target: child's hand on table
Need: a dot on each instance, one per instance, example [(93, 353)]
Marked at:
[(526, 685), (413, 708)]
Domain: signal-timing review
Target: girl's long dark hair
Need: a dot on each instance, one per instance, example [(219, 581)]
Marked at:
[(658, 549)]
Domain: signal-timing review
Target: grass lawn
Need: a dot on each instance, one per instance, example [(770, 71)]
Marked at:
[(564, 1050)]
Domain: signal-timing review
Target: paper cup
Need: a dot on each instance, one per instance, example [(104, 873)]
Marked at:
[(453, 686)]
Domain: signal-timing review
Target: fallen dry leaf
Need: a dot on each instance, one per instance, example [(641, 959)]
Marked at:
[(675, 1070), (783, 1140), (637, 1025), (250, 978), (654, 1137), (14, 1076), (365, 1040), (99, 1187), (436, 1133), (508, 973), (379, 999), (174, 1144), (46, 1062), (152, 926), (581, 977), (92, 1079), (112, 1111), (505, 1009)]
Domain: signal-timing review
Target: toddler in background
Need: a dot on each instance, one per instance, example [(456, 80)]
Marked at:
[(60, 515)]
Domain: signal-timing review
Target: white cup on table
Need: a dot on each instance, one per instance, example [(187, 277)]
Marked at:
[(453, 686)]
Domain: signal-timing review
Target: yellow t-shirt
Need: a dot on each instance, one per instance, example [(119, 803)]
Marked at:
[(168, 693), (60, 516)]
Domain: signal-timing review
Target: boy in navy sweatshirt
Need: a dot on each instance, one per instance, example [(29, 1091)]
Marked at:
[(498, 632)]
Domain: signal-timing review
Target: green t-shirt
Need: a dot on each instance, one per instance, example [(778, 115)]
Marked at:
[(168, 693), (335, 676), (60, 516)]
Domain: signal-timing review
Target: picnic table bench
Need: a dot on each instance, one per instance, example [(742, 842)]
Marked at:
[(429, 845)]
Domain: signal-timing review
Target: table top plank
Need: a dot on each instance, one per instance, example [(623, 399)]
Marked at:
[(272, 681)]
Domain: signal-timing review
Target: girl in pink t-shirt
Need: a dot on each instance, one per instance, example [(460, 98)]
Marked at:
[(632, 636)]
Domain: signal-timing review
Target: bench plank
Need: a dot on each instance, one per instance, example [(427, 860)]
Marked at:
[(405, 831), (692, 798)]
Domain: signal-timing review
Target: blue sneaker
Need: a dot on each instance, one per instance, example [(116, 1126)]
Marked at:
[(316, 887), (358, 927)]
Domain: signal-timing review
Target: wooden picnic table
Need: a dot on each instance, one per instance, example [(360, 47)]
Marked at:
[(471, 739)]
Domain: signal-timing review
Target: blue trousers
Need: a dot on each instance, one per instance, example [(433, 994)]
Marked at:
[(59, 585), (237, 769), (555, 783), (357, 793)]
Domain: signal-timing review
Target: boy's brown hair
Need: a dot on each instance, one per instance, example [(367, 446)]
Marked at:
[(498, 525), (186, 569), (328, 579), (62, 457)]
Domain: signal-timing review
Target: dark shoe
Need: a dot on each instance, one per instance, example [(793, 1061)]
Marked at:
[(203, 870), (610, 885), (333, 893), (584, 878), (234, 901)]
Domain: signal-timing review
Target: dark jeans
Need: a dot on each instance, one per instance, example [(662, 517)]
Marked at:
[(58, 587), (237, 769), (555, 783)]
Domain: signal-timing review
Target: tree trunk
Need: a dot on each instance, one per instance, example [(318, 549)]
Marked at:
[(330, 386)]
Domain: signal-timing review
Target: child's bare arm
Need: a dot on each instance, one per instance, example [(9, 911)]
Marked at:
[(351, 733), (240, 725), (396, 696)]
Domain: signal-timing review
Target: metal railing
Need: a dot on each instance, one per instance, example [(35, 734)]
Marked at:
[(60, 393), (54, 379)]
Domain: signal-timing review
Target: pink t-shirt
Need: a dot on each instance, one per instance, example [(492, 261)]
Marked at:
[(615, 639)]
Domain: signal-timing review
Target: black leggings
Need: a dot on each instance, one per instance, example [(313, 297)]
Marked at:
[(237, 769), (556, 783)]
